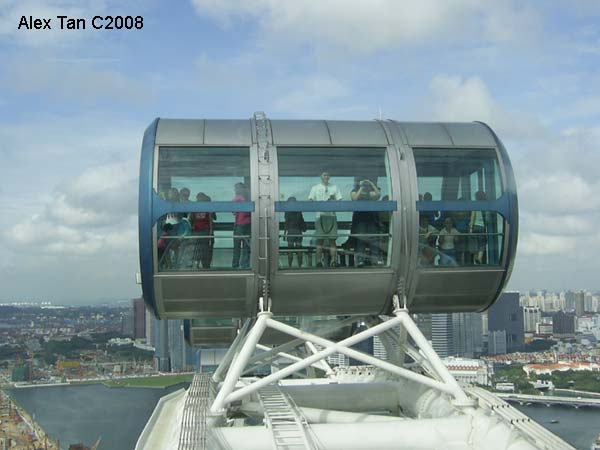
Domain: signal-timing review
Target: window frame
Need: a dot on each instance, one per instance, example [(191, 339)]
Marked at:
[(340, 206), (159, 208), (498, 206)]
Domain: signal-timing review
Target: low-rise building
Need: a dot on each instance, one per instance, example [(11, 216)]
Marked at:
[(469, 371), (561, 366)]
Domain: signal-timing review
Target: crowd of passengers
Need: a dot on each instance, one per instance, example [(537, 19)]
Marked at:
[(366, 244), (177, 252), (453, 238), (445, 239)]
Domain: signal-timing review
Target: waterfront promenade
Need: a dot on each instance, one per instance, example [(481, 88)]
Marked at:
[(18, 430)]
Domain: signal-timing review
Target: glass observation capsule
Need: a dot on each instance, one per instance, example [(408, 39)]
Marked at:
[(325, 218)]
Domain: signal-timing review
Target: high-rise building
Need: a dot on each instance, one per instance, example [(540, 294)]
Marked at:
[(507, 315), (467, 331), (478, 328), (579, 303), (563, 323), (423, 322), (442, 334), (139, 318), (150, 329), (127, 322), (364, 346), (161, 345), (497, 342), (177, 355), (210, 358), (570, 301), (532, 315), (379, 349)]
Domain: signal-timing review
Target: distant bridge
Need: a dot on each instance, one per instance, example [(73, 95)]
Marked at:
[(549, 400)]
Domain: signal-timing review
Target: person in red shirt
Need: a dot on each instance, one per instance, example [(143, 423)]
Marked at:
[(202, 227), (241, 227)]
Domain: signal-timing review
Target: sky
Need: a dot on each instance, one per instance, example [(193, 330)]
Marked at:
[(74, 105)]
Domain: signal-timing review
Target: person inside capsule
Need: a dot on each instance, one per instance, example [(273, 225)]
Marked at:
[(241, 229), (365, 223), (325, 222), (202, 230), (172, 219), (427, 238), (294, 227), (447, 242)]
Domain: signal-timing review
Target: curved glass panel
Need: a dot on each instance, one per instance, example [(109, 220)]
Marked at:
[(202, 241), (213, 171), (460, 238), (457, 174), (191, 241), (353, 238)]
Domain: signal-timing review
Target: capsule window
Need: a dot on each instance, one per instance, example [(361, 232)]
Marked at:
[(448, 235), (195, 241), (349, 231), (460, 238), (457, 174)]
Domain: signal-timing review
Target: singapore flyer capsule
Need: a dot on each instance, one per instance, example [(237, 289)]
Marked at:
[(322, 217)]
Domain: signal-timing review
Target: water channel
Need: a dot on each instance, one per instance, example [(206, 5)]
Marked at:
[(84, 413)]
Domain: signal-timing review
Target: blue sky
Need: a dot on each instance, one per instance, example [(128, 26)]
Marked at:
[(74, 105)]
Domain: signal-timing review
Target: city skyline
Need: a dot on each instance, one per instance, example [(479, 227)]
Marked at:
[(75, 104)]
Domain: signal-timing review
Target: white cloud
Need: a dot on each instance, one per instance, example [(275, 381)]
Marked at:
[(356, 25), (454, 98), (553, 223), (40, 235), (77, 172), (458, 99), (558, 193), (531, 244), (506, 24)]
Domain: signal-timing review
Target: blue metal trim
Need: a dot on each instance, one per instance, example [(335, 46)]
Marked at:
[(331, 206), (162, 207), (145, 220), (502, 205)]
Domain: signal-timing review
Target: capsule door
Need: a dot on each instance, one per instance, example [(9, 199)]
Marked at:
[(334, 225), (466, 211), (204, 256)]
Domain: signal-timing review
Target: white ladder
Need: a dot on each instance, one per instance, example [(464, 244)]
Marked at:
[(287, 424)]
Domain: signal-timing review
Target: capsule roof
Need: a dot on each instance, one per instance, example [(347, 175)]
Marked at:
[(322, 132)]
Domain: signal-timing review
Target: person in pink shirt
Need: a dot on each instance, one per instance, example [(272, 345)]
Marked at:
[(241, 228), (202, 228)]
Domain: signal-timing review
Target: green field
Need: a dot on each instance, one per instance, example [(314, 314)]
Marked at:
[(151, 382)]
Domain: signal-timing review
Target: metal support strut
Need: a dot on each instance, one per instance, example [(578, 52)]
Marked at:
[(441, 381)]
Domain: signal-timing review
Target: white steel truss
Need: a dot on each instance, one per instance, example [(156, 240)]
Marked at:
[(240, 355)]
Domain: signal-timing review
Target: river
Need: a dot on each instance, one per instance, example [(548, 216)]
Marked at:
[(579, 427), (84, 413)]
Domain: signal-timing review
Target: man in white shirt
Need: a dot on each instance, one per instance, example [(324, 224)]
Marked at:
[(325, 222)]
